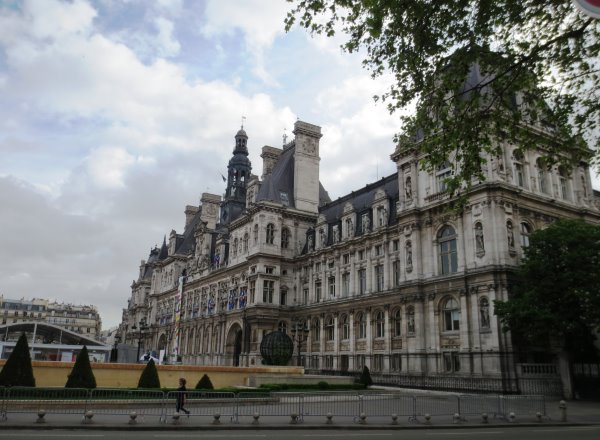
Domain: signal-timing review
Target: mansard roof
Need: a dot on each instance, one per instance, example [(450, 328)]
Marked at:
[(363, 199), (281, 180)]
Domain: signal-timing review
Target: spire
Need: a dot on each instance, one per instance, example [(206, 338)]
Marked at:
[(164, 252)]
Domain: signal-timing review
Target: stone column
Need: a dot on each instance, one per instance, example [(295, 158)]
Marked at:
[(352, 341), (336, 341), (387, 339)]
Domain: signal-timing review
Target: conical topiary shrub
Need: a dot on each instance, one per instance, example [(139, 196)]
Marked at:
[(149, 377), (17, 371), (81, 375), (204, 383), (365, 377)]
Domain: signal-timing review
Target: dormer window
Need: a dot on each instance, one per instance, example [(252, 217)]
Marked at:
[(283, 196)]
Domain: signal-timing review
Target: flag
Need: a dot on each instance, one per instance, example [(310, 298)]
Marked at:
[(223, 177)]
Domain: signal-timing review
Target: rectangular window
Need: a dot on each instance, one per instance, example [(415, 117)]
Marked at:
[(283, 297), (396, 272), (378, 362), (520, 175), (345, 284), (346, 259), (359, 362), (378, 250), (268, 288), (305, 296), (379, 278), (328, 362), (318, 292), (331, 282), (451, 362), (269, 270), (396, 362), (361, 255), (314, 362), (362, 281), (317, 267), (396, 245)]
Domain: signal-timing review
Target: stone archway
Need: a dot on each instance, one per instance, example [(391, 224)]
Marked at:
[(233, 344)]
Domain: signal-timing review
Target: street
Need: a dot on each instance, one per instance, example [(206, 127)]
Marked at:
[(512, 433)]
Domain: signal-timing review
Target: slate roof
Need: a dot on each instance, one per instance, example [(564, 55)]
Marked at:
[(281, 180), (363, 199)]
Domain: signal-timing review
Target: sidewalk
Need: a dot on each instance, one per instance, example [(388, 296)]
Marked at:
[(578, 413)]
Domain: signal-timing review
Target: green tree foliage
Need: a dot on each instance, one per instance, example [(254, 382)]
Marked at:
[(204, 383), (538, 61), (81, 375), (17, 371), (149, 377), (365, 377), (557, 297)]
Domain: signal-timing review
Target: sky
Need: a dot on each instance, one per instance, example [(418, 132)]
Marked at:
[(116, 114)]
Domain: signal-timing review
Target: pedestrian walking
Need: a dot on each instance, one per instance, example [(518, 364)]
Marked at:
[(181, 395)]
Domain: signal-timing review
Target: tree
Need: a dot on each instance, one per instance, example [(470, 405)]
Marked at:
[(365, 377), (81, 375), (149, 377), (204, 383), (479, 72), (17, 371), (556, 300)]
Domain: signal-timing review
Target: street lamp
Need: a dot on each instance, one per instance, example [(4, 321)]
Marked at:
[(115, 351), (143, 328), (300, 332)]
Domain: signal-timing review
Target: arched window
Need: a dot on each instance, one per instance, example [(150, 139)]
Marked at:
[(255, 234), (345, 327), (410, 320), (361, 323), (315, 330), (235, 247), (447, 248), (285, 238), (245, 243), (451, 313), (270, 233), (542, 176), (519, 169), (443, 173), (329, 329), (484, 313), (525, 233), (282, 326), (398, 323), (379, 325)]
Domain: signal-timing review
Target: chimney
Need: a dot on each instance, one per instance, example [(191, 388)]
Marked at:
[(190, 212), (269, 156), (306, 166)]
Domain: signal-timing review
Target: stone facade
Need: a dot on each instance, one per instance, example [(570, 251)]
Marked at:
[(387, 276)]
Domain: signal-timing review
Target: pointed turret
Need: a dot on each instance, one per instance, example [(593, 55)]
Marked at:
[(238, 174)]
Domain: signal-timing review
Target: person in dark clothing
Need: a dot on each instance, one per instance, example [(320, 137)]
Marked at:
[(181, 395)]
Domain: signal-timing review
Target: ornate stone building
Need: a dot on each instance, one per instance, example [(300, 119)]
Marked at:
[(386, 276)]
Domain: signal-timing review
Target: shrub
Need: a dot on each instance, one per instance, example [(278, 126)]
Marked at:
[(323, 385), (204, 383), (81, 375), (17, 371), (365, 377), (149, 377)]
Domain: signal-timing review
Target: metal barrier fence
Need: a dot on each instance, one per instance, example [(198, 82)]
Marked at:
[(245, 406)]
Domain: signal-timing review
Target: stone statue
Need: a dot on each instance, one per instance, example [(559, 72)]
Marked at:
[(409, 263), (479, 242), (350, 228), (336, 234), (408, 188), (484, 311), (323, 238), (310, 243), (510, 235)]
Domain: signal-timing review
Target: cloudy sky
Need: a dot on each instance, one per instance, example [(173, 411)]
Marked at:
[(115, 114)]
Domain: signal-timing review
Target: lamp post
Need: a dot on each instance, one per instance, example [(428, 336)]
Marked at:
[(300, 332), (143, 328), (115, 351)]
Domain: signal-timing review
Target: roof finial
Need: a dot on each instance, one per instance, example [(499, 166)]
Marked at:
[(284, 137), (243, 119)]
